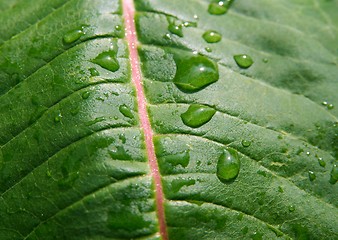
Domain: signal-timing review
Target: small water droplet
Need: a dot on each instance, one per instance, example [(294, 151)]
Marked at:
[(190, 24), (321, 162), (107, 60), (324, 103), (243, 60), (180, 158), (334, 174), (119, 153), (85, 95), (228, 165), (246, 143), (219, 7), (195, 16), (118, 27), (208, 49), (262, 173), (75, 111), (125, 110), (96, 120), (123, 138), (308, 153), (57, 118), (257, 236), (245, 230), (73, 35), (280, 189), (194, 72), (312, 176), (212, 36), (177, 184), (292, 208), (265, 60), (167, 36), (240, 216), (175, 29), (94, 72), (280, 137), (197, 115), (330, 106)]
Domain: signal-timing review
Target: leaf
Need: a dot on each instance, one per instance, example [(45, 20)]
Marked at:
[(241, 136)]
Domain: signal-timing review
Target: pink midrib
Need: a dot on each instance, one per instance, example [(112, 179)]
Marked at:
[(129, 12)]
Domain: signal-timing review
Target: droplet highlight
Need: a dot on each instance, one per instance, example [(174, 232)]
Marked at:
[(212, 36), (197, 115), (243, 60), (312, 176), (321, 162), (228, 166), (194, 72), (107, 60)]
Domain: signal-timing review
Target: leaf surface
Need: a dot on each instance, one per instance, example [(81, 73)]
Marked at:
[(244, 150)]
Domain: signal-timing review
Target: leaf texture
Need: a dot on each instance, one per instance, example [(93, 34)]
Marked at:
[(74, 154)]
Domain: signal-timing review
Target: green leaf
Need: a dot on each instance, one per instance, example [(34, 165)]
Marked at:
[(242, 101)]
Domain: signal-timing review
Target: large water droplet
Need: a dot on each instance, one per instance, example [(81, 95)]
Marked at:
[(107, 60), (312, 176), (180, 158), (197, 115), (177, 184), (212, 36), (125, 110), (243, 60), (194, 72), (219, 7), (334, 174), (175, 29), (228, 165), (85, 95), (73, 35)]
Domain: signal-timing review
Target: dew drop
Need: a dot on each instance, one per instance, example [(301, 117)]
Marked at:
[(257, 236), (243, 60), (107, 60), (219, 7), (175, 29), (118, 27), (57, 118), (245, 230), (228, 166), (280, 189), (73, 35), (119, 153), (334, 174), (180, 158), (125, 110), (212, 36), (177, 184), (85, 95), (292, 208), (167, 36), (321, 162), (208, 49), (94, 72), (330, 106), (312, 176), (194, 72), (265, 60), (246, 143), (197, 115), (96, 120)]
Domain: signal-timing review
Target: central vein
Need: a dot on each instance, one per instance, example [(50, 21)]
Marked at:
[(129, 11)]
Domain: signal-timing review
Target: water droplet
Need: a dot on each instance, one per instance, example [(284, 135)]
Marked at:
[(228, 165), (312, 176), (240, 216), (194, 72), (123, 138), (118, 27), (197, 115), (330, 106), (119, 153), (245, 230), (246, 143), (57, 118), (308, 153), (334, 174), (167, 36), (195, 16), (107, 60), (94, 72), (265, 60), (280, 189), (73, 35), (324, 103), (75, 111), (321, 162), (219, 7), (180, 158), (85, 95), (280, 137), (178, 183), (262, 173), (125, 110), (190, 24), (175, 29), (243, 60), (292, 208), (212, 36), (257, 236), (96, 120), (208, 49)]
